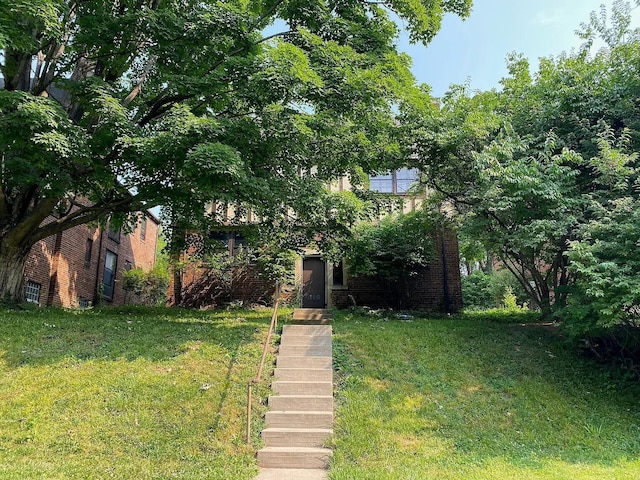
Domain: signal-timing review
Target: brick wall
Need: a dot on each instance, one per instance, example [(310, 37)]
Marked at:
[(426, 291), (202, 287), (68, 274)]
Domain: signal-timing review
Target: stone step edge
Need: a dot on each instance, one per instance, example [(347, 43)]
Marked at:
[(292, 430), (326, 451)]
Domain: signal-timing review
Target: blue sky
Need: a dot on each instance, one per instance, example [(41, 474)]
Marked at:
[(477, 47)]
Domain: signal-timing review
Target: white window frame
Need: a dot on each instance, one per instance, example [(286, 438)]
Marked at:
[(32, 291)]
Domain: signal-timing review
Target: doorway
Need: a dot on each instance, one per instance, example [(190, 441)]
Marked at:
[(313, 283)]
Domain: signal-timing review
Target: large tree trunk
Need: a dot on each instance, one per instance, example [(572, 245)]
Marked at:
[(12, 269)]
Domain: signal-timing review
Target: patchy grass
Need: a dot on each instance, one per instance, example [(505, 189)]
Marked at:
[(129, 393), (468, 397)]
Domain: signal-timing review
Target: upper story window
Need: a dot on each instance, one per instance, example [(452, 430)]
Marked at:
[(231, 241), (398, 182), (143, 229), (88, 251), (114, 234)]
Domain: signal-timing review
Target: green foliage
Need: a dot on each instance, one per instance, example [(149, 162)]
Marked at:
[(477, 290), (496, 289), (534, 170), (276, 265), (146, 288), (396, 247), (132, 280), (131, 105)]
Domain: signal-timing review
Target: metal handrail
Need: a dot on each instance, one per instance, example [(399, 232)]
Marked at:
[(258, 377)]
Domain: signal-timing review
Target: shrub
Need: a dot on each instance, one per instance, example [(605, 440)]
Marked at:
[(145, 288), (496, 289)]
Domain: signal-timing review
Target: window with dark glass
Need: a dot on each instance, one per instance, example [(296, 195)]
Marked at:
[(88, 252), (239, 242), (143, 228), (229, 240), (109, 275), (114, 233), (338, 273)]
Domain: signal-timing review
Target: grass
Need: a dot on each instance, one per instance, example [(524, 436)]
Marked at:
[(468, 397), (159, 394), (129, 393)]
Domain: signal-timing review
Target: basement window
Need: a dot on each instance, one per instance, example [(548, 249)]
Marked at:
[(32, 292)]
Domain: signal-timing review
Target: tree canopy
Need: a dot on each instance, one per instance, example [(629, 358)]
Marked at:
[(109, 107), (545, 172)]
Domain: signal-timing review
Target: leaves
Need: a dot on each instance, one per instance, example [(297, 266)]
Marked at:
[(179, 102), (397, 246), (543, 163)]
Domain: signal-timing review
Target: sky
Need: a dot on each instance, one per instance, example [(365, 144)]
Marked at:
[(477, 48)]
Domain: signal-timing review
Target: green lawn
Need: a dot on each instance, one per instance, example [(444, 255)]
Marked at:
[(466, 398), (153, 394), (128, 394)]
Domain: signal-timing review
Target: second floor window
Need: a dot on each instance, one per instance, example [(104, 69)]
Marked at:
[(143, 229), (114, 234), (398, 182), (88, 251)]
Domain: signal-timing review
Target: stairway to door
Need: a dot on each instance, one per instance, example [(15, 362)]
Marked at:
[(299, 420)]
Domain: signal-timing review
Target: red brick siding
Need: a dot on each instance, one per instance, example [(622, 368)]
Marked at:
[(71, 278), (38, 265), (426, 291), (201, 287)]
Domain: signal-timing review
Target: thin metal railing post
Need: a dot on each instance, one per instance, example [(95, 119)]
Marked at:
[(249, 397), (272, 325)]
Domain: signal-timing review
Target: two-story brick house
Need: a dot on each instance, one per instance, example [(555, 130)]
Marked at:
[(322, 284), (84, 265), (437, 287)]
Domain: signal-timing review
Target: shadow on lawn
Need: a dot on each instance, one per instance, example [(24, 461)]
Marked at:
[(486, 391), (45, 336)]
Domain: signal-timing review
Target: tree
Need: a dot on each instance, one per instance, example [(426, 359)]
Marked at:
[(605, 254), (109, 107), (522, 166), (395, 249)]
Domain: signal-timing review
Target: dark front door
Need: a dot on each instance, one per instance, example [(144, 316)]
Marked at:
[(313, 283)]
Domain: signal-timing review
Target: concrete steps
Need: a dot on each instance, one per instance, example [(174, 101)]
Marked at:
[(296, 437), (305, 350), (308, 387), (301, 361), (300, 417), (310, 374), (311, 316), (297, 419), (294, 457)]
